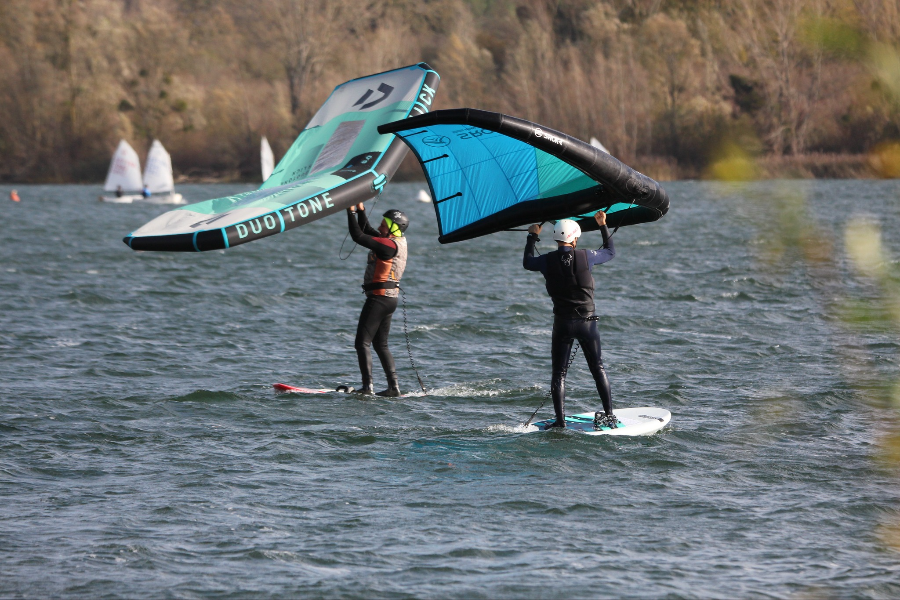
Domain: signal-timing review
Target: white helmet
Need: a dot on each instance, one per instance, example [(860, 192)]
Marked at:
[(566, 231)]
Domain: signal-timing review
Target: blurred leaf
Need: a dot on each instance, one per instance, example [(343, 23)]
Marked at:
[(864, 315), (885, 160), (890, 533), (862, 239), (884, 60), (890, 454), (733, 163), (834, 37)]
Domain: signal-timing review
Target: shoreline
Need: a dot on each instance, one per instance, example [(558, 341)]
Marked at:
[(802, 166), (660, 168)]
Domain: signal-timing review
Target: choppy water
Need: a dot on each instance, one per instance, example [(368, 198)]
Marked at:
[(143, 452)]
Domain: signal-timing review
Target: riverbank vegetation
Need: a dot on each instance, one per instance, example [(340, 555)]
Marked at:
[(704, 88)]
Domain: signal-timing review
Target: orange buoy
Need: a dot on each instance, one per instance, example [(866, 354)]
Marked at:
[(14, 196)]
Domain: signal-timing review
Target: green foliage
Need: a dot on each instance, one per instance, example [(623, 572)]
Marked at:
[(836, 37)]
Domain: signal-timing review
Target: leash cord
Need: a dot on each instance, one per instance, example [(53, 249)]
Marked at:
[(408, 346), (550, 392)]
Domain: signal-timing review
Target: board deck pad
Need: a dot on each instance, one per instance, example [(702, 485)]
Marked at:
[(632, 421)]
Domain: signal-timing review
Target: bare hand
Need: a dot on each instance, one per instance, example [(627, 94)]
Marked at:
[(535, 229), (360, 206), (600, 217)]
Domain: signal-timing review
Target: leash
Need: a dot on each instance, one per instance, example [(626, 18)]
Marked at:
[(550, 392), (408, 346)]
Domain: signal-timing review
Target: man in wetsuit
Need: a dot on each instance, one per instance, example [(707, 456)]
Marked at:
[(381, 283), (571, 287)]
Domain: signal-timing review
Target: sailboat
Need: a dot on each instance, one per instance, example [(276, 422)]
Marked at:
[(158, 176), (267, 158), (125, 175)]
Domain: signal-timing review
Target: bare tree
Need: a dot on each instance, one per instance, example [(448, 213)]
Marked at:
[(672, 57), (304, 36), (789, 70)]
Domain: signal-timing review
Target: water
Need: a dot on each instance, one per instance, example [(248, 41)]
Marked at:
[(143, 452)]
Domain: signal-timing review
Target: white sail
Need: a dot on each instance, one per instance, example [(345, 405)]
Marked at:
[(158, 171), (596, 144), (423, 196), (268, 159), (124, 170)]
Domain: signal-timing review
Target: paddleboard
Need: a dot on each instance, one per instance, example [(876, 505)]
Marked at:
[(344, 389), (281, 387), (632, 421)]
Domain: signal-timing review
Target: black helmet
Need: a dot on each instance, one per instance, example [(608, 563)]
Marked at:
[(397, 218)]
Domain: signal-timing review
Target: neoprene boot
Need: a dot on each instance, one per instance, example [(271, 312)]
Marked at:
[(366, 388), (393, 389)]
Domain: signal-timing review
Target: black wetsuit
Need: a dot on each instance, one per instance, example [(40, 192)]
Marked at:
[(571, 287), (375, 318)]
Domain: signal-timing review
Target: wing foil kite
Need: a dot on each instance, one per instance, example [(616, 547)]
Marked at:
[(338, 160), (490, 172)]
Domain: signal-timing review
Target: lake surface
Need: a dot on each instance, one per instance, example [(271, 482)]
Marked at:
[(143, 452)]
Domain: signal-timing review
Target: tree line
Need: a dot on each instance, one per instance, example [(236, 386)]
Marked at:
[(671, 87)]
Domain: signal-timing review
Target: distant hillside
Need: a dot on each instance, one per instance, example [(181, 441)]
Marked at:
[(669, 86)]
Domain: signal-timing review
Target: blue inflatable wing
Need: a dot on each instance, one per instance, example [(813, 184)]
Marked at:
[(490, 172)]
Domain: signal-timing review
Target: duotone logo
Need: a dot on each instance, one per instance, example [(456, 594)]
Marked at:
[(436, 141)]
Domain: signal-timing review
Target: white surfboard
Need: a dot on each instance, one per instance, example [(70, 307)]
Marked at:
[(632, 421)]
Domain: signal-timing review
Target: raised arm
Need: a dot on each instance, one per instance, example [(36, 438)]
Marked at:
[(607, 251), (384, 248), (363, 221), (529, 260)]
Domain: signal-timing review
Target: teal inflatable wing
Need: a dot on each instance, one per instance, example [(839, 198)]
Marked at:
[(490, 172), (338, 160)]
